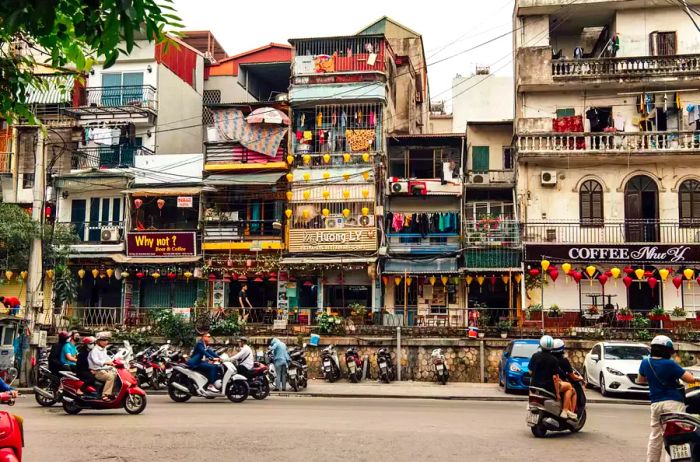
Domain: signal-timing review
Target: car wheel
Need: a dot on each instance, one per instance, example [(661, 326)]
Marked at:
[(586, 379), (603, 390), (500, 377)]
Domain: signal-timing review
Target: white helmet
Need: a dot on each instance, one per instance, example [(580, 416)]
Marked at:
[(558, 346), (663, 341), (546, 342)]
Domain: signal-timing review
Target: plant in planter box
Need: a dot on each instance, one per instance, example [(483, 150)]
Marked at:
[(554, 312), (657, 314), (624, 314), (329, 323), (640, 322), (678, 314), (358, 312), (504, 326), (534, 312)]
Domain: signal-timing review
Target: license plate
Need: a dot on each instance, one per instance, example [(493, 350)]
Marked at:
[(439, 367), (327, 363), (133, 370), (532, 418), (149, 370), (382, 365), (680, 451), (352, 367), (292, 373)]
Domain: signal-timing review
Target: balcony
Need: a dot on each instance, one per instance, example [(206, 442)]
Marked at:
[(97, 236), (105, 157), (620, 68), (127, 101), (611, 232), (490, 178), (639, 143), (417, 244), (232, 156)]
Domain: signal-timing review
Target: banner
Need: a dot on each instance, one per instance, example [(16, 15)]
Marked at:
[(161, 244), (641, 253)]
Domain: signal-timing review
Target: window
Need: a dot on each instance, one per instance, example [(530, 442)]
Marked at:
[(689, 203), (480, 159), (591, 204), (662, 43), (479, 210), (88, 216), (152, 217), (421, 163), (507, 158), (121, 88), (691, 301), (412, 291), (27, 180)]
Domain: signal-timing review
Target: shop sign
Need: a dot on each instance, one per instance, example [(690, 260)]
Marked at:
[(650, 253), (161, 244), (185, 202), (182, 312), (322, 240)]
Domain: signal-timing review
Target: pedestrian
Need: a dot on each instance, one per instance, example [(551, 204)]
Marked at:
[(665, 392), (243, 301), (281, 359)]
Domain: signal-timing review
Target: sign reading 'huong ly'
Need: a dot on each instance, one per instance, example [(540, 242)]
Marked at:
[(161, 244)]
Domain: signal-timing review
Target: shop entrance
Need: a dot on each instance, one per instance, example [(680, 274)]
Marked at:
[(339, 297), (493, 297), (641, 297)]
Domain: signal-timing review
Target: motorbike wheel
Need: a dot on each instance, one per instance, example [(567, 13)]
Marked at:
[(333, 375), (178, 396), (135, 404), (71, 408), (45, 384), (294, 384), (264, 390), (154, 383), (353, 377), (539, 431), (386, 378), (237, 391), (581, 422), (443, 378)]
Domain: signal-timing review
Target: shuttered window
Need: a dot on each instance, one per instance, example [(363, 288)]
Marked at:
[(480, 159), (662, 43), (689, 203), (591, 204)]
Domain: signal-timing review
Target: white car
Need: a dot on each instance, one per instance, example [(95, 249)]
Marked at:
[(614, 366)]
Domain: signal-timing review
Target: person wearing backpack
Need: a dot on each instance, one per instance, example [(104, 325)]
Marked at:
[(662, 373)]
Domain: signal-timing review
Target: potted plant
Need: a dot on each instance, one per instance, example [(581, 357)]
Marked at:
[(534, 312), (657, 314), (358, 313), (678, 314), (504, 326), (624, 314), (554, 312), (592, 312)]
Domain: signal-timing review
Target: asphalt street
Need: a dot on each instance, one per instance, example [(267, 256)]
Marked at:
[(324, 429)]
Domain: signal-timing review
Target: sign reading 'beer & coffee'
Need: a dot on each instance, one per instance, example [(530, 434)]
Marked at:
[(651, 253)]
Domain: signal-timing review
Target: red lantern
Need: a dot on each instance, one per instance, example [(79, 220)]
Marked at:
[(698, 280), (534, 272), (172, 276), (627, 280), (243, 278), (212, 277), (576, 275), (492, 279), (602, 279), (648, 274), (272, 279), (385, 280), (677, 281), (283, 277), (628, 270), (554, 274), (609, 274), (140, 275), (652, 282), (234, 277), (138, 203)]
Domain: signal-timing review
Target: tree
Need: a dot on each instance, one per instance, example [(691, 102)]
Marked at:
[(70, 34)]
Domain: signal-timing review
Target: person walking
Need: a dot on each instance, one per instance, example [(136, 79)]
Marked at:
[(665, 393), (280, 358)]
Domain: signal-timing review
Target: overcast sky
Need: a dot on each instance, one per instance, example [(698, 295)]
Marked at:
[(448, 27)]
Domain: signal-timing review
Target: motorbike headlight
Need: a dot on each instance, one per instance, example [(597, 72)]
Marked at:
[(613, 371), (515, 367)]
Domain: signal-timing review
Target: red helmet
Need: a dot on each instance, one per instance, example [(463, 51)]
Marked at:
[(63, 335), (88, 340)]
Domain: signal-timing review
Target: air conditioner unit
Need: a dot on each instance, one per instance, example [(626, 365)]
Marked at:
[(548, 177), (109, 234), (394, 186), (334, 221), (479, 178), (365, 220)]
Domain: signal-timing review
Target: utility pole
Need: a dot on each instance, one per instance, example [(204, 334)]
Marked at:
[(35, 270)]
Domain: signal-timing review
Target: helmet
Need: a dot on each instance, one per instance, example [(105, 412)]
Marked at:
[(63, 336), (88, 340), (243, 339), (558, 346), (663, 340), (546, 342)]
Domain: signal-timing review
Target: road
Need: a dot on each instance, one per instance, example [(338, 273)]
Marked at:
[(324, 429)]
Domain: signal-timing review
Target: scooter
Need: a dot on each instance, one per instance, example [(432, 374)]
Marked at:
[(258, 384), (544, 412), (298, 371), (11, 432), (386, 368), (682, 430), (184, 383), (355, 364), (129, 395), (47, 391), (440, 363), (330, 363)]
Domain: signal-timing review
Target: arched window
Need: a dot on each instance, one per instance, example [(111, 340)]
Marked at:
[(591, 203), (689, 203)]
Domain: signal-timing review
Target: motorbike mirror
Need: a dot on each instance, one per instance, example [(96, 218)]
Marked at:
[(168, 342), (595, 357)]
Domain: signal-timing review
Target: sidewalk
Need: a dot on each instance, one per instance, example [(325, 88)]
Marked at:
[(429, 390)]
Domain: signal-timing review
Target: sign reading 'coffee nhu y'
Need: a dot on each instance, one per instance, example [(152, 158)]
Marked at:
[(650, 253)]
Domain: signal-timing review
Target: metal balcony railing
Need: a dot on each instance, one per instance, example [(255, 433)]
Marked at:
[(412, 243), (5, 162), (339, 55), (136, 96), (242, 230), (118, 156), (491, 232), (610, 142), (98, 232), (612, 231), (677, 65)]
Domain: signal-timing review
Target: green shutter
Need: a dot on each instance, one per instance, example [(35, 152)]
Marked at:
[(480, 158), (185, 294), (566, 112), (155, 294)]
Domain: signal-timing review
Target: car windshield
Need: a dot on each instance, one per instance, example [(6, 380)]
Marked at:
[(626, 352), (524, 350)]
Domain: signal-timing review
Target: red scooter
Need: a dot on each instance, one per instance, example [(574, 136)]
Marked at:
[(11, 432), (129, 394)]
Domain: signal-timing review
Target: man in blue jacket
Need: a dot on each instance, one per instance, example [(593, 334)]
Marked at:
[(202, 360)]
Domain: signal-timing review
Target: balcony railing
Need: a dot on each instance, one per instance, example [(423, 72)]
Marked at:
[(118, 156), (137, 97), (626, 67), (327, 160), (491, 232), (412, 243), (611, 232), (610, 142), (476, 178), (5, 162), (339, 55), (225, 153), (98, 232), (242, 230)]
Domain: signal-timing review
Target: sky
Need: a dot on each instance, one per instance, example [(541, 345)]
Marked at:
[(448, 28)]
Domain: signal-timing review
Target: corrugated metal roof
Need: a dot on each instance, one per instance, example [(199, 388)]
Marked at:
[(242, 180), (57, 90), (436, 266)]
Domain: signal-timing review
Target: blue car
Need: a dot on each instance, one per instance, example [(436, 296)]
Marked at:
[(512, 369)]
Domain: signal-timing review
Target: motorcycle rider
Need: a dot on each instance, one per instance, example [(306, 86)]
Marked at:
[(55, 363), (101, 365), (82, 366), (244, 358), (69, 352), (662, 374), (200, 360), (566, 375), (544, 369)]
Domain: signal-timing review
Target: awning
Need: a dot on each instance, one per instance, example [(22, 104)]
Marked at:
[(92, 182), (58, 90), (243, 179), (437, 266), (156, 191), (325, 260), (341, 92), (121, 258)]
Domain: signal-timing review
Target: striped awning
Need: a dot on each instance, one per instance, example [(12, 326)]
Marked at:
[(242, 180), (55, 89), (435, 266)]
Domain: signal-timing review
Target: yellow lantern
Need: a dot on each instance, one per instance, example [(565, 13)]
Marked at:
[(469, 279), (365, 156), (50, 273), (346, 194), (23, 274), (365, 193), (326, 175), (346, 176), (109, 272), (155, 275), (81, 273), (290, 159), (289, 195), (615, 272), (365, 175), (505, 278), (590, 270), (307, 158), (290, 177), (95, 273), (346, 213), (187, 274), (9, 274), (518, 277), (397, 280), (326, 158), (365, 211), (545, 265), (326, 194), (409, 280), (305, 214), (288, 212), (325, 212), (432, 280), (639, 272), (307, 195), (480, 280), (444, 280), (663, 272), (346, 157), (307, 176), (688, 273), (566, 267), (125, 274)]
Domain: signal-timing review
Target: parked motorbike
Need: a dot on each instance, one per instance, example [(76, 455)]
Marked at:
[(386, 368), (440, 364), (330, 363), (47, 389), (258, 383), (355, 364), (150, 365), (129, 395), (11, 432), (298, 371), (682, 430), (544, 412), (184, 383)]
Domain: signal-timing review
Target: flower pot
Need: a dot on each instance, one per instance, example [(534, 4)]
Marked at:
[(504, 334), (481, 334), (624, 317), (592, 316), (677, 318), (658, 317)]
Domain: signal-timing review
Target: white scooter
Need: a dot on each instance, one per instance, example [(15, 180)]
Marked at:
[(330, 363), (185, 383)]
